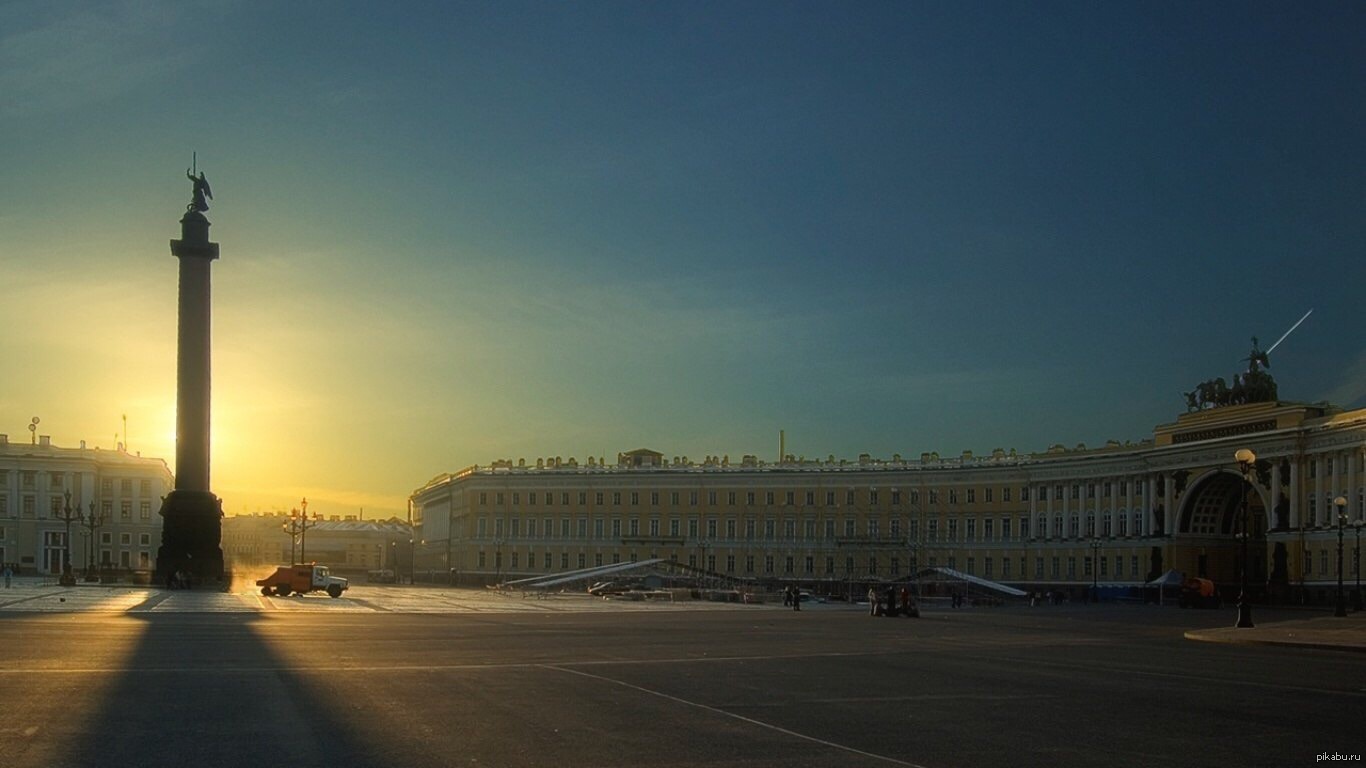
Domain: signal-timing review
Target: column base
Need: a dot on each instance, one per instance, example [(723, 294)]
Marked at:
[(191, 538)]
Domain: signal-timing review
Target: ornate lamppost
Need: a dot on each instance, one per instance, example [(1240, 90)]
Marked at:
[(92, 522), (1340, 505), (1096, 544), (304, 525), (68, 579), (1246, 461), (292, 528), (1356, 564)]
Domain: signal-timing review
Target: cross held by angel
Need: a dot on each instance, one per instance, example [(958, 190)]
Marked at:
[(201, 192)]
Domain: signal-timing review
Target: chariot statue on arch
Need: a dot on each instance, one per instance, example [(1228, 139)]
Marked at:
[(1253, 386)]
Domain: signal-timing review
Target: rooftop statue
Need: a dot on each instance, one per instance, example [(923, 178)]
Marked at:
[(1254, 386), (201, 191)]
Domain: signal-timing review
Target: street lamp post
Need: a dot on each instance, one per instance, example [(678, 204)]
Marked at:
[(1340, 504), (92, 522), (1356, 564), (292, 528), (67, 579), (1246, 461), (450, 572), (304, 525), (1095, 569)]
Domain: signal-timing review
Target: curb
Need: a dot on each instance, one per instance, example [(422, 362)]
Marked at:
[(1206, 637)]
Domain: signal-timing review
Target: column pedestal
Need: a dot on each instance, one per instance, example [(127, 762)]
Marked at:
[(191, 530)]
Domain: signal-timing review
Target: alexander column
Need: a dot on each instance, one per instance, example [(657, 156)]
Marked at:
[(192, 529)]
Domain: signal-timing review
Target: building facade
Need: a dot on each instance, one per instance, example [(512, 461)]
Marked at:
[(346, 544), (121, 492), (1064, 519)]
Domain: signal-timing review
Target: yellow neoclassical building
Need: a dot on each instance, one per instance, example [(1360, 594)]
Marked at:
[(88, 507), (1062, 520)]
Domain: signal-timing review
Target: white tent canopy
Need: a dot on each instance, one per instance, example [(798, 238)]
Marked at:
[(1172, 578), (954, 575), (582, 574)]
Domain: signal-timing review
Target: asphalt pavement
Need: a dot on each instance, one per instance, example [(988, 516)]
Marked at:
[(506, 681)]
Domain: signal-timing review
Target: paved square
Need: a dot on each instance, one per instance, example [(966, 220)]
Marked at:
[(355, 682)]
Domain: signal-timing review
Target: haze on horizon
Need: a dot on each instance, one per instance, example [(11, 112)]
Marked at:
[(459, 232)]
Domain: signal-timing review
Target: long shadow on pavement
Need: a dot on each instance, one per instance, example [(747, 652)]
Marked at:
[(204, 690)]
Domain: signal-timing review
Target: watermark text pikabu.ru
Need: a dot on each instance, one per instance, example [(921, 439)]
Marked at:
[(1327, 756)]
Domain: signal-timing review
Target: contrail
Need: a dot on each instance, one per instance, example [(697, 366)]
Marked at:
[(1287, 333)]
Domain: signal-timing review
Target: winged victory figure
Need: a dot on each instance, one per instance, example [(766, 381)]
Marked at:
[(201, 191)]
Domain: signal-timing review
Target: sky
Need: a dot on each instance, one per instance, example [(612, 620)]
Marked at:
[(458, 232)]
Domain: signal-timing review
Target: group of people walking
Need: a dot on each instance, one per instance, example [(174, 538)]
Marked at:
[(886, 604), (889, 603)]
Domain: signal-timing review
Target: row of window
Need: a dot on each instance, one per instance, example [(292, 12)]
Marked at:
[(29, 508), (105, 558), (1121, 525), (872, 496), (1328, 562), (28, 481), (58, 538), (789, 565)]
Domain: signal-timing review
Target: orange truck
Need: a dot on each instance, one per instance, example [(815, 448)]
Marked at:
[(301, 579), (1199, 593)]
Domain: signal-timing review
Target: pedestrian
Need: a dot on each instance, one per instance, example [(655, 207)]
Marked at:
[(796, 598), (787, 595), (8, 575), (872, 601), (905, 601)]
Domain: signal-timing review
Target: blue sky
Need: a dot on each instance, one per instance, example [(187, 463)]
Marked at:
[(455, 232)]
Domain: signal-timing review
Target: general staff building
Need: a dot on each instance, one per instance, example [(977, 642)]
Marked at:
[(1065, 519)]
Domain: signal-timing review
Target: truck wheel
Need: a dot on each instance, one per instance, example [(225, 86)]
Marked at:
[(265, 590), (334, 590), (282, 590)]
